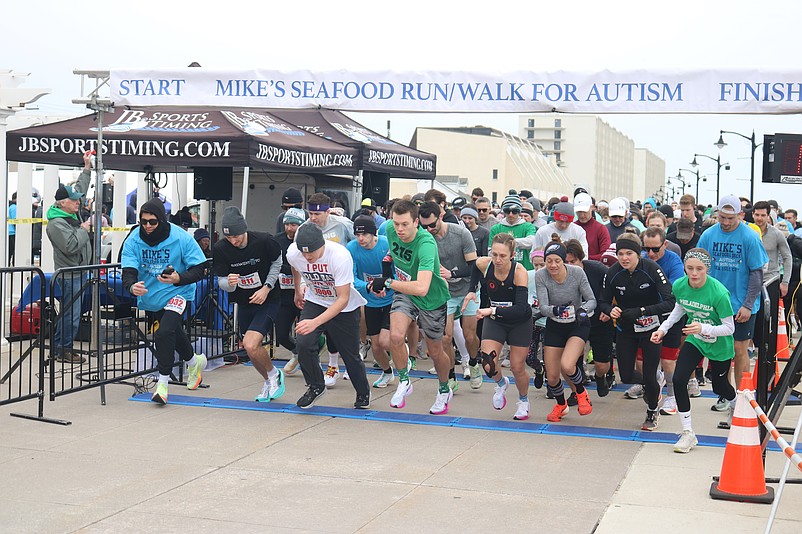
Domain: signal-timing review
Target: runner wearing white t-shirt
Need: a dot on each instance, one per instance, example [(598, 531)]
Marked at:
[(323, 274)]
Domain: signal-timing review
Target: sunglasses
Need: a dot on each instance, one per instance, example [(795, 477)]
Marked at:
[(149, 222), (430, 225), (482, 210), (511, 210), (653, 249)]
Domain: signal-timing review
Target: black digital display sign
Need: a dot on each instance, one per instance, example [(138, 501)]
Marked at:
[(782, 158)]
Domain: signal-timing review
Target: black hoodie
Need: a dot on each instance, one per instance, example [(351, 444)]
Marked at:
[(155, 207)]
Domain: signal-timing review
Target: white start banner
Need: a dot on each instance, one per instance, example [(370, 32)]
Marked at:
[(766, 91)]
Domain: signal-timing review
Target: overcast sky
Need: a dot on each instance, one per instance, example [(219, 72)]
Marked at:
[(50, 38)]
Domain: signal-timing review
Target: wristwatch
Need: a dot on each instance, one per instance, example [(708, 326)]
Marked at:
[(388, 282)]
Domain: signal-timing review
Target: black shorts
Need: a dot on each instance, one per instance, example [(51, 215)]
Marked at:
[(377, 319), (601, 341), (257, 317), (673, 337), (557, 334), (515, 335)]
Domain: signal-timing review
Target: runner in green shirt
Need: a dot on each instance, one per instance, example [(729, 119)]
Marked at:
[(710, 326), (522, 231), (421, 295)]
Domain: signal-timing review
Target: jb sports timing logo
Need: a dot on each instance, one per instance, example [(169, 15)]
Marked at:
[(159, 121)]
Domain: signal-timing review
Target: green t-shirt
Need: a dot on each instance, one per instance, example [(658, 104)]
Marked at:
[(411, 258), (519, 230), (706, 305)]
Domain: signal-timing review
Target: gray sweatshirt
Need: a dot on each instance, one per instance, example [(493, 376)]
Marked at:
[(575, 291), (778, 251)]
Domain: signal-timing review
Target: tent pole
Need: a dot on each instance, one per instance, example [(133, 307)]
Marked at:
[(246, 175), (356, 202)]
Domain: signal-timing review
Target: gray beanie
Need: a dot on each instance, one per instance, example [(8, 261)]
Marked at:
[(309, 238), (233, 221), (512, 201)]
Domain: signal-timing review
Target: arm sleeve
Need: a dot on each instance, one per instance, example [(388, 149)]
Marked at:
[(222, 283), (275, 269), (191, 275), (519, 310), (667, 299), (726, 328), (786, 259), (463, 272), (605, 302), (130, 276), (754, 287), (603, 237), (588, 298), (676, 315)]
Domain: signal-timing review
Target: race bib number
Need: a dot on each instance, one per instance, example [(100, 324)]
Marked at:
[(499, 304), (646, 323), (568, 314), (401, 275), (519, 254), (285, 281), (321, 284), (250, 281), (176, 304)]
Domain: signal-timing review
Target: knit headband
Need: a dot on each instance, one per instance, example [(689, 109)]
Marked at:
[(555, 248), (628, 244), (319, 207), (701, 256)]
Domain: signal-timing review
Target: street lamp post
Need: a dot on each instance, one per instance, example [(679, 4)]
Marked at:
[(721, 144), (696, 172), (719, 165)]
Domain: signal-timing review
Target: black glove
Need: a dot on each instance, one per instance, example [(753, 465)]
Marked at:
[(377, 285), (558, 311), (630, 314)]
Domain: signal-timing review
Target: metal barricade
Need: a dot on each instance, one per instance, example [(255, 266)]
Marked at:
[(113, 342), (23, 326)]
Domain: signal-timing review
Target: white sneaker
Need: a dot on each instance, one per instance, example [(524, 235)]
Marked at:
[(330, 376), (345, 376), (693, 388), (403, 390), (440, 406), (364, 348), (476, 376), (292, 365), (264, 395), (505, 363), (384, 380), (669, 406), (466, 370), (500, 394), (687, 441), (433, 371), (634, 392), (521, 411)]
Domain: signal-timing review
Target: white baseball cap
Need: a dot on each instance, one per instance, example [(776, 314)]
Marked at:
[(582, 202), (618, 207)]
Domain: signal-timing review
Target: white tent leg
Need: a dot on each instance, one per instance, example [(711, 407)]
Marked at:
[(246, 174)]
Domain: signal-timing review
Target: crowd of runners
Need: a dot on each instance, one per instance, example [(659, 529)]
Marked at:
[(558, 294)]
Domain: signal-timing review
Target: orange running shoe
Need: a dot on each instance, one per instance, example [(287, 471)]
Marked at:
[(584, 405), (559, 411)]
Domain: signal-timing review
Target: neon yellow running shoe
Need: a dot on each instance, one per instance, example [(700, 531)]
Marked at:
[(160, 395), (195, 372)]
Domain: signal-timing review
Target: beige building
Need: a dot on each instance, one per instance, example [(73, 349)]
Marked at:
[(485, 157), (591, 153), (650, 174)]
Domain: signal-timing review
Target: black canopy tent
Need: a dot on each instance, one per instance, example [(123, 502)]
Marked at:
[(380, 158), (176, 139)]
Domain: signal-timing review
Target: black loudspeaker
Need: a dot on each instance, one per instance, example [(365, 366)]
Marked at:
[(214, 183), (376, 185), (108, 194)]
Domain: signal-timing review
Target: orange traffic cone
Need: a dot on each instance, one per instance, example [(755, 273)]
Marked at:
[(742, 476)]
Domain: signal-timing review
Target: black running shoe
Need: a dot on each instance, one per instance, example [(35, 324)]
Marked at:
[(311, 396), (700, 376), (539, 375), (362, 402), (601, 385), (572, 399)]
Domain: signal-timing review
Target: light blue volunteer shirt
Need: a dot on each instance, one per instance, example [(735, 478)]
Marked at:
[(367, 266), (734, 255), (179, 250)]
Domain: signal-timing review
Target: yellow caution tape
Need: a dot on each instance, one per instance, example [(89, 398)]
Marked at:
[(27, 221), (116, 228)]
